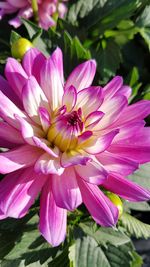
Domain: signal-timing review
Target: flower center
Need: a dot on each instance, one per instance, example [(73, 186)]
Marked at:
[(65, 130)]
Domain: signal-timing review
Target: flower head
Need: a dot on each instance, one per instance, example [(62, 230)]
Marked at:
[(67, 140), (46, 10)]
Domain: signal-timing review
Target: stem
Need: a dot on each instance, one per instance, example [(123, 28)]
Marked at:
[(35, 10)]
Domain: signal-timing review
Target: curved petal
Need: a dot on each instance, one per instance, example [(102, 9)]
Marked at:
[(141, 154), (57, 58), (18, 158), (126, 91), (8, 111), (9, 92), (100, 207), (112, 109), (93, 118), (129, 130), (9, 136), (51, 83), (66, 190), (89, 99), (44, 118), (18, 192), (47, 165), (69, 98), (73, 157), (53, 219), (126, 188), (112, 87), (32, 59), (17, 3), (130, 113), (44, 144), (100, 144), (28, 130), (82, 76), (15, 75), (93, 172), (33, 98), (116, 163)]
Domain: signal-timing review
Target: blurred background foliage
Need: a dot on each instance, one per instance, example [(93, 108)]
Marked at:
[(117, 35)]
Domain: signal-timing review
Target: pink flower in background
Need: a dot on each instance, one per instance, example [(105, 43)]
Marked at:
[(66, 140), (47, 8)]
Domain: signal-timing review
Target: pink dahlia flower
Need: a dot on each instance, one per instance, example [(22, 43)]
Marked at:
[(67, 140), (46, 9)]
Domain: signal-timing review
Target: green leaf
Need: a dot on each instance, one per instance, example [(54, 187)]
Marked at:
[(135, 227), (81, 8), (32, 29), (122, 257), (146, 92), (141, 206), (142, 176), (144, 19), (145, 33), (108, 58), (14, 37), (133, 81), (61, 260), (85, 252), (106, 236), (137, 260), (36, 35), (104, 13)]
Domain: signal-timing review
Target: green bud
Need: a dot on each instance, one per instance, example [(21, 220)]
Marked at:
[(20, 47)]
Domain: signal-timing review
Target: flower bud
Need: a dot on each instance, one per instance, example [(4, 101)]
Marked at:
[(20, 47), (116, 201)]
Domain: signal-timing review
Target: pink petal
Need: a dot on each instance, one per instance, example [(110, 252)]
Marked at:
[(102, 143), (17, 3), (140, 154), (112, 109), (69, 98), (46, 165), (116, 163), (8, 109), (126, 189), (130, 113), (84, 137), (112, 87), (18, 192), (93, 118), (140, 137), (57, 58), (15, 75), (126, 91), (100, 207), (28, 130), (66, 190), (82, 76), (33, 98), (51, 83), (15, 22), (18, 158), (93, 172), (73, 158), (32, 59), (89, 99), (44, 118), (52, 218), (129, 131), (9, 136), (44, 144), (8, 91)]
